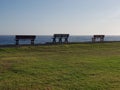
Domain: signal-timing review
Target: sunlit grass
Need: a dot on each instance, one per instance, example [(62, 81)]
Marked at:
[(61, 67)]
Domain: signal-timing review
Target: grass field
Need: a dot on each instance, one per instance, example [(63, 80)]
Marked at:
[(61, 67)]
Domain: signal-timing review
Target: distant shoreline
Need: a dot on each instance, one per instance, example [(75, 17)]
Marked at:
[(50, 43), (10, 40)]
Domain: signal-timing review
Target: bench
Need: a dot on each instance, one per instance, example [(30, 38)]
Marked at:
[(25, 37), (100, 37), (62, 38)]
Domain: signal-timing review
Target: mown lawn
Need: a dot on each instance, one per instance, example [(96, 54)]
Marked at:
[(61, 67)]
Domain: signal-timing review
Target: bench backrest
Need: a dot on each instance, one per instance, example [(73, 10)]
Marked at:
[(99, 36), (61, 35), (31, 37)]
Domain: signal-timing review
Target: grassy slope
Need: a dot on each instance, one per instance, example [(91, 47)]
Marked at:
[(61, 67)]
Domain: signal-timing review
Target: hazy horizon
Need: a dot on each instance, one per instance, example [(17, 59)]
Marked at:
[(47, 17)]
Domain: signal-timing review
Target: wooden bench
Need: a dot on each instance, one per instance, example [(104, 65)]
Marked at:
[(100, 37), (25, 37), (62, 38)]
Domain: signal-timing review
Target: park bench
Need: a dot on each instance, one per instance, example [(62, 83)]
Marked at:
[(100, 37), (25, 37), (60, 38)]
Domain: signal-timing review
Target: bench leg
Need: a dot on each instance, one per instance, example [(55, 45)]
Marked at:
[(54, 40), (101, 40), (60, 40), (32, 42), (17, 42), (93, 39), (66, 40)]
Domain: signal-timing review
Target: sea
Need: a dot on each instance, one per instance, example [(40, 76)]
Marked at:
[(42, 39)]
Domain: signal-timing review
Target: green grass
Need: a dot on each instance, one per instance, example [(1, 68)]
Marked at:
[(61, 67)]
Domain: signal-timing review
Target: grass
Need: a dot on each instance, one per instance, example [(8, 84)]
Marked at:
[(61, 67)]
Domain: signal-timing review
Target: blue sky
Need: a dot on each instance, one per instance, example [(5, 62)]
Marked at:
[(46, 17)]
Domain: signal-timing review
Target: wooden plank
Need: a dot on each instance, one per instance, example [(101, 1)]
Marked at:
[(31, 37)]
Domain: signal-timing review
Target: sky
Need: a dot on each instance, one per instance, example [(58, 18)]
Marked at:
[(46, 17)]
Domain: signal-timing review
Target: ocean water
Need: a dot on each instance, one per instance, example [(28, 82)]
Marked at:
[(10, 39)]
